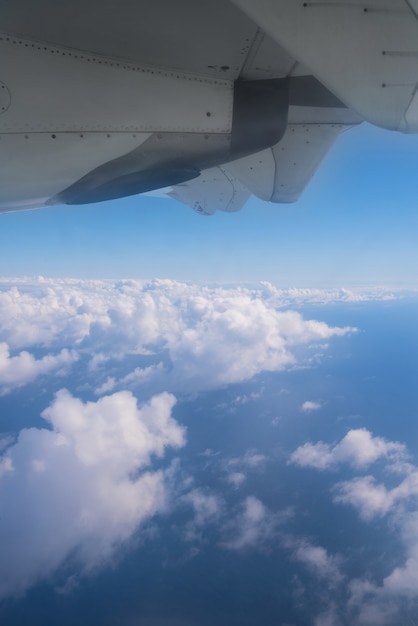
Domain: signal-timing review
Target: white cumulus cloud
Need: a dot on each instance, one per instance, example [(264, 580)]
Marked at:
[(318, 561), (375, 602), (371, 499), (201, 337), (309, 406), (19, 370), (83, 486), (358, 448)]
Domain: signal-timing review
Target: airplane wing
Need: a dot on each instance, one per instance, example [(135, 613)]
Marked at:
[(365, 52), (281, 173), (216, 99), (278, 174), (315, 120), (215, 189)]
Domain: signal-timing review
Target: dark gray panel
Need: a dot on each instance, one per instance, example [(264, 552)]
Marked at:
[(309, 92), (260, 115), (165, 159)]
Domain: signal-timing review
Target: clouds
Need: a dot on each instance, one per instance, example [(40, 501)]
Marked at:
[(207, 509), (324, 296), (309, 406), (19, 370), (358, 448), (253, 526), (366, 495), (83, 486), (76, 490), (219, 337), (318, 561), (404, 579), (236, 468), (44, 313), (199, 337), (373, 499), (395, 497)]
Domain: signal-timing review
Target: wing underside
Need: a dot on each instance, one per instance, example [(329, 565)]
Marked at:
[(118, 97), (216, 189), (278, 174)]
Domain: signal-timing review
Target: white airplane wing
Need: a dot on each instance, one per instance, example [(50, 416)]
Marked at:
[(281, 173), (364, 52), (216, 99)]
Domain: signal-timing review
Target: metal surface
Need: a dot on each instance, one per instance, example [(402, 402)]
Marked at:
[(256, 172), (71, 91), (196, 36), (298, 156), (260, 115), (214, 190), (4, 98), (164, 159), (365, 53), (36, 166), (281, 173), (106, 98)]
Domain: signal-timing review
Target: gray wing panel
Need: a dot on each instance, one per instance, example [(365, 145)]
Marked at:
[(257, 172), (364, 52), (214, 190), (198, 36), (208, 37), (298, 156), (280, 174)]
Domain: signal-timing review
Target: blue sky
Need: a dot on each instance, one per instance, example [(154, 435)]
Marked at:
[(356, 224)]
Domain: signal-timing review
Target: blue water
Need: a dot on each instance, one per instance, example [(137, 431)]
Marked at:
[(367, 379)]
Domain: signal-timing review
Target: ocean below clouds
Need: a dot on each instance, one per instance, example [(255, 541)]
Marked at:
[(179, 454)]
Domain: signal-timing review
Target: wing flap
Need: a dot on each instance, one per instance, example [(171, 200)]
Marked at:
[(214, 190), (281, 173), (257, 172), (298, 156)]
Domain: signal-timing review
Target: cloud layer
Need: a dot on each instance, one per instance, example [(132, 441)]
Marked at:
[(200, 337), (76, 489)]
